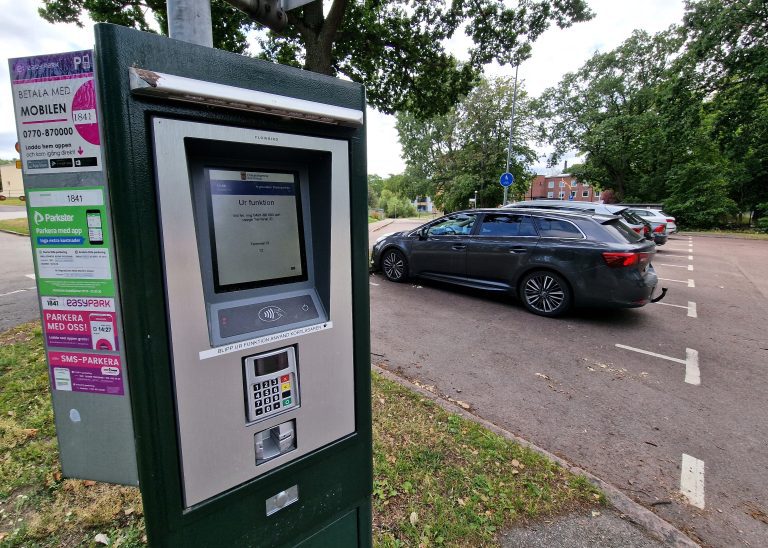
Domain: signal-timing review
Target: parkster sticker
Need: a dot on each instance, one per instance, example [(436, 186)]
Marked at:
[(57, 124), (70, 240)]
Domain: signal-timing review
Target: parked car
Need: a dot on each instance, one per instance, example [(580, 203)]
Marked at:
[(656, 215), (550, 259), (657, 231), (645, 228)]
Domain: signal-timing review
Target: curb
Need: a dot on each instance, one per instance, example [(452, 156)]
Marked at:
[(14, 233), (383, 225), (631, 510)]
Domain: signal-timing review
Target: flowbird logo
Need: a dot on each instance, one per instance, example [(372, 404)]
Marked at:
[(271, 313), (39, 218)]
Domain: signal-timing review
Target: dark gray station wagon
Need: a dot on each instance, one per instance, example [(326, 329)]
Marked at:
[(551, 260)]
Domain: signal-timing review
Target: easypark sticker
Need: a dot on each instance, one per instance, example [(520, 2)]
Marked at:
[(80, 322)]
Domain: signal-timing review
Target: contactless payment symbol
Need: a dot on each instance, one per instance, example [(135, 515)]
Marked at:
[(271, 313)]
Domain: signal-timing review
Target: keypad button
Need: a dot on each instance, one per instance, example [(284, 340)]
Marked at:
[(257, 394), (275, 389), (259, 411), (286, 386), (287, 394), (265, 384), (285, 378), (275, 397), (277, 405), (286, 402), (273, 382), (267, 408), (257, 403)]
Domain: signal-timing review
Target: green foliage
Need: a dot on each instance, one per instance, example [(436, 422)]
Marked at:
[(395, 48), (395, 205), (680, 117), (465, 150)]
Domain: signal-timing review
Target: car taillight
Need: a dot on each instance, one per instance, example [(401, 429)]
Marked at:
[(616, 259), (672, 220), (646, 230), (660, 228), (638, 229)]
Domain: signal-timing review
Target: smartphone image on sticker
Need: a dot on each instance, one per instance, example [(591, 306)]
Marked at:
[(95, 232), (102, 332)]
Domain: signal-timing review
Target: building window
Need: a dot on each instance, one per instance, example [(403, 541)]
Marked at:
[(562, 184), (597, 195), (573, 194), (561, 195), (551, 184), (585, 194), (550, 194)]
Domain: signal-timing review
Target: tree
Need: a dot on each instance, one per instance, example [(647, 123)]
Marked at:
[(466, 150), (608, 111), (395, 48), (727, 54)]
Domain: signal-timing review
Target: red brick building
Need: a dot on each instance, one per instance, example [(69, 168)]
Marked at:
[(562, 187)]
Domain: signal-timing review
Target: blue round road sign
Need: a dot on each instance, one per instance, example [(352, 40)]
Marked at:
[(506, 179)]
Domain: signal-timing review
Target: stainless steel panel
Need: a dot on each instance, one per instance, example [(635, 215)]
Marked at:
[(217, 447)]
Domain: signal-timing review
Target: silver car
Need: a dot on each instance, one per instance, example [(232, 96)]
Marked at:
[(656, 216)]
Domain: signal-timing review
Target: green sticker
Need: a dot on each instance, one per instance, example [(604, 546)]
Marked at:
[(70, 240)]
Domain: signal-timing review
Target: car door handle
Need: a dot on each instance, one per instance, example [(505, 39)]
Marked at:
[(459, 247), (519, 249)]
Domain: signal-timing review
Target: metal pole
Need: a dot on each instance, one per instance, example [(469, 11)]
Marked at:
[(190, 21), (511, 130)]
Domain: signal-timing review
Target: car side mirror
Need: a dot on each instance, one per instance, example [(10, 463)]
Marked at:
[(423, 233)]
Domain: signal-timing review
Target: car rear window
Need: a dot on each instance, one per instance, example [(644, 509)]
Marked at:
[(622, 231), (507, 225), (557, 228), (631, 217)]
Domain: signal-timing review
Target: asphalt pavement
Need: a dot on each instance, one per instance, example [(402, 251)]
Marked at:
[(666, 402), (18, 294)]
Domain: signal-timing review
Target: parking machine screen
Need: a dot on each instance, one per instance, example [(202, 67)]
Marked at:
[(256, 229)]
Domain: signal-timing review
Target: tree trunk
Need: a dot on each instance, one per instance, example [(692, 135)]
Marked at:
[(319, 33)]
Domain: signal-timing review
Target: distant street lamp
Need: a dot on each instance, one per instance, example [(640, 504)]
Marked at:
[(475, 199)]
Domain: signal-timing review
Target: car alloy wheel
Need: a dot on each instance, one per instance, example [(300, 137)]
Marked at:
[(546, 293), (394, 265)]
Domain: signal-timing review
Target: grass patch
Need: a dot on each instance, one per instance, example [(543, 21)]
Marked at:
[(15, 225), (743, 234), (442, 480), (438, 479), (12, 202)]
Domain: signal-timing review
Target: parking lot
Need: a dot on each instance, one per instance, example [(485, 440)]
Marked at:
[(666, 402)]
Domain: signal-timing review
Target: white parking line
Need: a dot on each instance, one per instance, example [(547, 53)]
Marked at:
[(19, 291), (30, 276), (690, 282), (691, 362), (690, 266), (691, 308), (377, 285), (12, 292), (692, 480)]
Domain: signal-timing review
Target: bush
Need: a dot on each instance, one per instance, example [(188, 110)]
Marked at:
[(762, 224)]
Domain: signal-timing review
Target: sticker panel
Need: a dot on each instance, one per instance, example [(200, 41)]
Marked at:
[(86, 372), (57, 123), (69, 233), (77, 322)]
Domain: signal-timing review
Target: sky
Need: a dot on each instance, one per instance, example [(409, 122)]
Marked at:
[(24, 33)]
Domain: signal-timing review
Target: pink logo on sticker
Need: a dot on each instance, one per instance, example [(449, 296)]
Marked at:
[(84, 113)]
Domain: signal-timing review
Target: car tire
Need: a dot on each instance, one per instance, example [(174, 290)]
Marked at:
[(545, 293), (394, 265)]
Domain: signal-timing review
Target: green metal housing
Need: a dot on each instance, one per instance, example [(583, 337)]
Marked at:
[(336, 481)]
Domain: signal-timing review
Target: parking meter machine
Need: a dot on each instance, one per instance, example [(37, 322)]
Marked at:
[(238, 192)]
